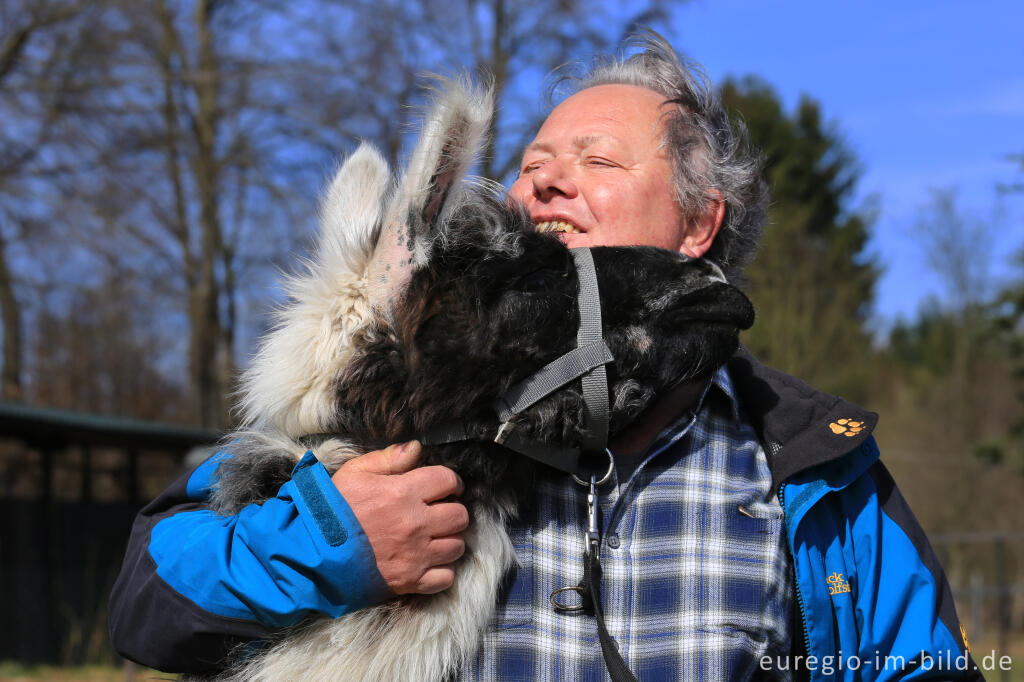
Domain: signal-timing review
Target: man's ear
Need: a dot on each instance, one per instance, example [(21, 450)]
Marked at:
[(700, 233)]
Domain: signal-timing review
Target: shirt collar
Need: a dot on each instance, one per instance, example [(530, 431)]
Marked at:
[(721, 388), (722, 381)]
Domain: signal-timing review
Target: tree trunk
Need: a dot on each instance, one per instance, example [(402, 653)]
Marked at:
[(499, 68), (10, 313), (204, 308)]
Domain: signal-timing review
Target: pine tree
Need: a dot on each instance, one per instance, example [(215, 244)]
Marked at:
[(812, 282)]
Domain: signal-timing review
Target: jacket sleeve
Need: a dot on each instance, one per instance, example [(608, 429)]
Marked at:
[(195, 585), (912, 615)]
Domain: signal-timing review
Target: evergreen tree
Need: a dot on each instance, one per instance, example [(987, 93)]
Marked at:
[(812, 282)]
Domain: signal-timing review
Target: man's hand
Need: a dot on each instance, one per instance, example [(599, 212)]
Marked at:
[(414, 534)]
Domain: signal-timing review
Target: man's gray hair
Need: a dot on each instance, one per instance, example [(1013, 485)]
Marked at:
[(708, 152)]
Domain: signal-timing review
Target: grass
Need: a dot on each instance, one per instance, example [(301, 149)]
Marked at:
[(990, 647), (11, 671)]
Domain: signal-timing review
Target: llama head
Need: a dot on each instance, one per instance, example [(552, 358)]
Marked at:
[(477, 300), (372, 234), (490, 308)]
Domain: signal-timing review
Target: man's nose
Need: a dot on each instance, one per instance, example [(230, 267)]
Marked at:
[(553, 179)]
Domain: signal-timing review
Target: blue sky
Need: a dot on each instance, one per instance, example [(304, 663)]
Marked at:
[(927, 94)]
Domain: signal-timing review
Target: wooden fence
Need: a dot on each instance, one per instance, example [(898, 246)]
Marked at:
[(70, 485)]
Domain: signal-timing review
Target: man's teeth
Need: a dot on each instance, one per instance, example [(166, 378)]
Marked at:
[(557, 226)]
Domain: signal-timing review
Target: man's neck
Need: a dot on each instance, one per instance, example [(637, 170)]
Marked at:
[(641, 433)]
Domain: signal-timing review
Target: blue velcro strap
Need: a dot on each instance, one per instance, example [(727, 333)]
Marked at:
[(276, 562), (309, 489)]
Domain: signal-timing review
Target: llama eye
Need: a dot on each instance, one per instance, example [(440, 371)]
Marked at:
[(535, 281)]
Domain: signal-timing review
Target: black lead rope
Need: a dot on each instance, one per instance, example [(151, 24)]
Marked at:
[(591, 585), (589, 588)]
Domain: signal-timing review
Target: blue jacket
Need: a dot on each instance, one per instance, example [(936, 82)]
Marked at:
[(873, 602), (869, 588)]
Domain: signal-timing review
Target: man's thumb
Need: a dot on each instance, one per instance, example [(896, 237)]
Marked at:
[(394, 459)]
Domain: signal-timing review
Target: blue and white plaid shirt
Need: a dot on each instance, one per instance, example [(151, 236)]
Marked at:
[(693, 588)]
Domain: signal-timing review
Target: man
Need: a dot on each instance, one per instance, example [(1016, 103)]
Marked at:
[(746, 523)]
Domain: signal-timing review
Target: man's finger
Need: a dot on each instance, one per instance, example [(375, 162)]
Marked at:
[(436, 579), (394, 459), (447, 550), (435, 482), (447, 518)]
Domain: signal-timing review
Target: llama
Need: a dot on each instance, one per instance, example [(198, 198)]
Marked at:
[(426, 301)]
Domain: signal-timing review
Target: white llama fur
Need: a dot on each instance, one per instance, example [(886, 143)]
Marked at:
[(288, 385), (288, 393)]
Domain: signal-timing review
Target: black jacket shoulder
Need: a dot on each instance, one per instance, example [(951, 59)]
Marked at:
[(799, 426)]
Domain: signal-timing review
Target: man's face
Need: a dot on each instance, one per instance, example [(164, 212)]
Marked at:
[(596, 169)]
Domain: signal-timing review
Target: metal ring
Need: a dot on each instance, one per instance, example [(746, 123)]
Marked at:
[(604, 479), (562, 608)]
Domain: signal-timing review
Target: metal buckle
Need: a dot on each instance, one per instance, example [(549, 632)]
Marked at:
[(503, 431), (592, 537), (607, 474), (592, 541)]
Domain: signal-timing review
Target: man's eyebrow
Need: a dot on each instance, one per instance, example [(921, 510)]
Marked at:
[(579, 142), (537, 147), (582, 141)]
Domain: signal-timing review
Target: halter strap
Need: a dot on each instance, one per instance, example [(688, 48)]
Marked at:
[(587, 361), (552, 376), (595, 382)]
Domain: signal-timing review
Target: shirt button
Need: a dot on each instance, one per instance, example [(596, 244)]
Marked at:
[(613, 541)]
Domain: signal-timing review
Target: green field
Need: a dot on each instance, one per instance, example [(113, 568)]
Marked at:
[(17, 672)]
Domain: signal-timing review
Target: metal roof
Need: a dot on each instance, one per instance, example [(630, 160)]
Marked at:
[(45, 426)]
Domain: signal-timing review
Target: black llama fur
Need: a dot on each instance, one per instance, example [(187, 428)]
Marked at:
[(461, 299)]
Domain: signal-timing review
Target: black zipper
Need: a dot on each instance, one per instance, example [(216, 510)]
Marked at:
[(796, 579)]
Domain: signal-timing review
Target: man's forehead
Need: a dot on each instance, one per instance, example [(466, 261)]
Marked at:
[(577, 141), (618, 112)]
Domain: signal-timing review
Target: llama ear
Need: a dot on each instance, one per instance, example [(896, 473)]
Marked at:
[(351, 212), (452, 136), (289, 385)]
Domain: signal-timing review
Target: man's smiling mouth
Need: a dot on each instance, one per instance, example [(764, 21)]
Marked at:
[(558, 226)]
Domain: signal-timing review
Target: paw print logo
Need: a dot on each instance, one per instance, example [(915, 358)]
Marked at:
[(846, 427), (963, 634)]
